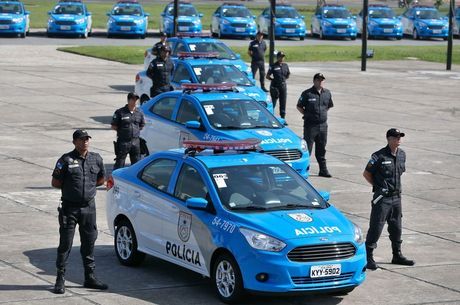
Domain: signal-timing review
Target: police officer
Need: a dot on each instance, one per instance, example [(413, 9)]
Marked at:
[(313, 104), (77, 174), (256, 51), (159, 71), (163, 42), (383, 172), (128, 122), (278, 73)]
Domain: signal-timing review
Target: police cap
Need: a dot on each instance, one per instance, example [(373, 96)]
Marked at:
[(394, 132), (319, 76), (80, 133), (280, 54), (132, 95)]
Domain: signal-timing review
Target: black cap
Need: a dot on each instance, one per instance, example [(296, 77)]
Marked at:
[(163, 34), (280, 54), (394, 132), (260, 33), (132, 95), (318, 76), (80, 133)]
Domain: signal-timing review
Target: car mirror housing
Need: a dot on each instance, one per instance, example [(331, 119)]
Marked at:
[(108, 14), (197, 203), (192, 124), (238, 56), (282, 121), (49, 12), (27, 13), (303, 17), (200, 15), (326, 195), (146, 14)]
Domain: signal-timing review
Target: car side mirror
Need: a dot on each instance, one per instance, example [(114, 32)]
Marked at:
[(196, 203), (192, 124), (88, 14), (302, 17), (185, 81), (108, 14), (146, 14), (326, 195), (163, 14), (282, 121), (200, 15), (238, 56), (216, 15), (27, 13), (254, 17), (354, 17)]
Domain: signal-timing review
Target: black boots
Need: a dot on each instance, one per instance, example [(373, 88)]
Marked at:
[(371, 265), (398, 257), (92, 282), (59, 287), (323, 172)]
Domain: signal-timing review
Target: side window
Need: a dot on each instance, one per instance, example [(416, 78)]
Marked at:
[(181, 73), (190, 184), (187, 112), (164, 107), (180, 47), (158, 173)]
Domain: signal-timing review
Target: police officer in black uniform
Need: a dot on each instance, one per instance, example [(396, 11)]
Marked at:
[(163, 42), (314, 104), (159, 71), (77, 174), (256, 51), (383, 172), (278, 73), (128, 122)]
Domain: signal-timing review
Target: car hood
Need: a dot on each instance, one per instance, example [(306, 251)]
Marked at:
[(5, 16), (433, 21), (253, 91), (339, 20), (188, 18), (289, 20), (126, 17), (65, 17), (295, 224), (238, 19), (386, 20)]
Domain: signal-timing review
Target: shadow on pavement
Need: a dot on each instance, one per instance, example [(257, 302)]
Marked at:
[(125, 88)]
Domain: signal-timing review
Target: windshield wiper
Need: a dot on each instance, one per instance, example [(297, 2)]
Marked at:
[(296, 205), (250, 208)]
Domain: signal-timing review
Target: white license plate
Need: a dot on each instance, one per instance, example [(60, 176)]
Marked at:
[(325, 270), (125, 28), (4, 27), (290, 30), (239, 29), (436, 31), (183, 28), (388, 30), (65, 27), (341, 30)]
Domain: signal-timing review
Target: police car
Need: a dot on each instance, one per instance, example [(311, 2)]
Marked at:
[(423, 21), (382, 22), (127, 18), (288, 23), (200, 42), (188, 19), (333, 21), (218, 112), (233, 19), (69, 17), (246, 220), (205, 68), (14, 19), (456, 22)]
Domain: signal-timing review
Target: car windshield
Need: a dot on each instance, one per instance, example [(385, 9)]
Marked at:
[(68, 9), (336, 13), (127, 10), (184, 10), (386, 13), (221, 48), (286, 12), (428, 14), (220, 74), (10, 8), (236, 12), (264, 187), (237, 114)]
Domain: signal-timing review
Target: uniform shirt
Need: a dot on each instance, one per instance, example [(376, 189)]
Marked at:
[(160, 71), (128, 124), (280, 72), (387, 169), (258, 50), (315, 105), (78, 176)]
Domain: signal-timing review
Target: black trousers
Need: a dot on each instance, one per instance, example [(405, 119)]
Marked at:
[(387, 210), (133, 148), (69, 217), (317, 134), (259, 65), (154, 91), (279, 91)]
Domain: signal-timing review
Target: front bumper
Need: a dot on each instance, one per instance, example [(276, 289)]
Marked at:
[(340, 32), (76, 29), (290, 32), (426, 32), (126, 30), (11, 28), (238, 31), (385, 32)]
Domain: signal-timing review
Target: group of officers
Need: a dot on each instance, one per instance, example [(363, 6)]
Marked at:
[(79, 172)]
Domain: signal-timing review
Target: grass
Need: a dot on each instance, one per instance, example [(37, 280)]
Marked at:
[(134, 55)]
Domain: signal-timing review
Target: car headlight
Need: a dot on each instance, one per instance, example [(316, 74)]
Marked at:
[(18, 19), (196, 22), (252, 24), (358, 234), (327, 23), (373, 23), (138, 21), (50, 20), (225, 21), (303, 145), (80, 21), (261, 241), (423, 24), (111, 20)]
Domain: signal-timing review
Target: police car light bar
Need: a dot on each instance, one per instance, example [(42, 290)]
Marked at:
[(127, 1), (198, 54), (192, 34), (209, 87), (196, 145)]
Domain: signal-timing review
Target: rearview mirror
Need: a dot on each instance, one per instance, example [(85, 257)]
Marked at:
[(196, 203)]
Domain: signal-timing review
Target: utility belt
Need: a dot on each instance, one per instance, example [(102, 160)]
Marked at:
[(73, 204)]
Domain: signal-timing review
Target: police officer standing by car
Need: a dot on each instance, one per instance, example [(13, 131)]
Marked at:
[(159, 71), (77, 174), (163, 42), (383, 172), (128, 122), (313, 104), (278, 73), (256, 51)]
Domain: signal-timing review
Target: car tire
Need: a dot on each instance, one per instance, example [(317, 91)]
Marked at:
[(125, 242), (219, 33), (143, 36), (227, 279), (48, 34), (415, 35), (321, 34), (311, 32), (302, 38), (90, 33), (23, 35), (109, 35), (85, 35), (353, 37)]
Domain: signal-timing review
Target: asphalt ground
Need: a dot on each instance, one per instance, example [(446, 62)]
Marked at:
[(46, 94)]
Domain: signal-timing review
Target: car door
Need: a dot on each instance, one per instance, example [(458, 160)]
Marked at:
[(215, 21), (188, 111), (316, 21), (407, 22), (180, 74), (359, 22)]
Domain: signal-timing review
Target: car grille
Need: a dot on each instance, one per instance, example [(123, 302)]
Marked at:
[(322, 252), (302, 280), (387, 26), (125, 23), (435, 27), (6, 21), (185, 23), (289, 26), (238, 25), (285, 154), (340, 26), (65, 22)]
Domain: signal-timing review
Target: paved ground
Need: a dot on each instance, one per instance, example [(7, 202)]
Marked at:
[(46, 94)]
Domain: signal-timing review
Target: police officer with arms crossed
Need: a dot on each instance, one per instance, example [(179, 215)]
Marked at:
[(278, 73), (383, 172), (256, 51), (159, 71), (77, 174), (128, 122), (313, 104)]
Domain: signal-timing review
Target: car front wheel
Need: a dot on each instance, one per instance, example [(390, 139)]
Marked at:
[(126, 245), (415, 35), (227, 279)]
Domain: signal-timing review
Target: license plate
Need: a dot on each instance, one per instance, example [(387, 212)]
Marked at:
[(436, 31), (125, 28), (239, 29), (341, 30), (388, 30), (65, 27), (4, 27), (290, 31), (325, 270), (183, 28)]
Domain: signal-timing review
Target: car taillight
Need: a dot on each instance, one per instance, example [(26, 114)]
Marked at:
[(137, 77), (110, 183)]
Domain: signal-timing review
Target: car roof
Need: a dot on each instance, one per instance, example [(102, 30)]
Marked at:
[(205, 61), (212, 160), (212, 95), (329, 6)]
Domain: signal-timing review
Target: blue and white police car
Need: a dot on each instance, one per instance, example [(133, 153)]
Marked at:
[(288, 22), (69, 17), (382, 22), (218, 112), (456, 22), (14, 19), (233, 19), (246, 220), (422, 21), (189, 20), (333, 21), (127, 18)]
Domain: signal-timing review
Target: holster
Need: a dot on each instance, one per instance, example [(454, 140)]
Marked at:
[(143, 147), (115, 148)]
